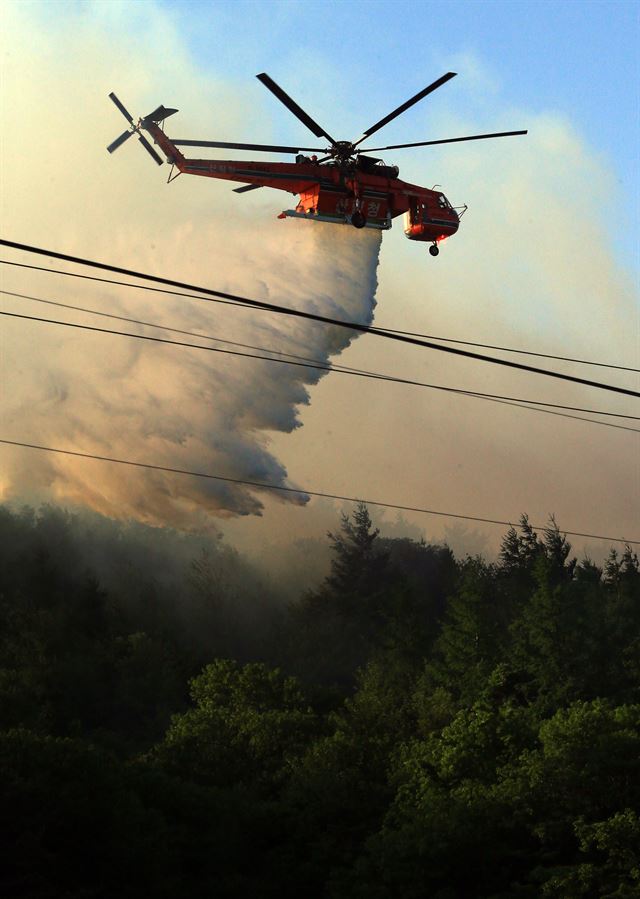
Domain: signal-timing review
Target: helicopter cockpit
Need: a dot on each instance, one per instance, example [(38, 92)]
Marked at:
[(436, 208), (432, 218)]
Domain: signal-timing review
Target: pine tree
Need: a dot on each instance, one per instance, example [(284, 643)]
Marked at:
[(358, 566), (473, 632)]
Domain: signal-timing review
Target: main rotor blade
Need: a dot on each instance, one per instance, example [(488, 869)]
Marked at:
[(145, 143), (246, 187), (293, 107), (267, 148), (405, 106), (122, 109), (119, 140), (448, 140)]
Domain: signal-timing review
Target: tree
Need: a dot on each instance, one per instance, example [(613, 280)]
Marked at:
[(247, 725), (359, 567), (474, 632), (334, 630), (500, 806), (339, 789)]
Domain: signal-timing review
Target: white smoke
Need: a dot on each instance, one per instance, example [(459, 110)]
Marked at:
[(185, 408), (130, 399)]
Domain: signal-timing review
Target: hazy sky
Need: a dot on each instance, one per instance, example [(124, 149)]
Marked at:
[(546, 259)]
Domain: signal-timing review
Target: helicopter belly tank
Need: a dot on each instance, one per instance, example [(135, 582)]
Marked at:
[(331, 204)]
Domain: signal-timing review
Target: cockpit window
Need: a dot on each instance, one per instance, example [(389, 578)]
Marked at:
[(422, 212)]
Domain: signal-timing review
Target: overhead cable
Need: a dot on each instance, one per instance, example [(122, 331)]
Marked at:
[(138, 321), (300, 490), (505, 349), (506, 401), (365, 329), (314, 365), (243, 305)]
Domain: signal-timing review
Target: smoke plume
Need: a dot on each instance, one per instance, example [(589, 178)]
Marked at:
[(186, 408), (131, 399)]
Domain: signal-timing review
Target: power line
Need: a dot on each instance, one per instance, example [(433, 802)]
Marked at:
[(365, 329), (504, 349), (146, 287), (593, 421), (345, 371), (299, 490), (243, 305), (506, 401), (138, 321)]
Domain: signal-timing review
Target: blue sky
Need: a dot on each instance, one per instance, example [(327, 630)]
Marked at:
[(576, 59)]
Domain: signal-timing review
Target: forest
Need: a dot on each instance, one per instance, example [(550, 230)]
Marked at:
[(416, 725)]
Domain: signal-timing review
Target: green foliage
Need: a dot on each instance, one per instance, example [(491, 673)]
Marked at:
[(531, 813), (473, 633), (465, 730), (248, 725), (381, 596), (334, 629)]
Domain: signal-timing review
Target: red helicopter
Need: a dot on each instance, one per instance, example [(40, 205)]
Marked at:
[(345, 185)]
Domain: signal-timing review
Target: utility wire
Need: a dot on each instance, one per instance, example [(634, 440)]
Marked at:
[(365, 329), (504, 349), (297, 490), (319, 366), (146, 287), (243, 305), (138, 321), (506, 401)]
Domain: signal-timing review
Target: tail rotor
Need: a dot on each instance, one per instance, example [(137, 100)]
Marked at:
[(157, 117), (125, 134)]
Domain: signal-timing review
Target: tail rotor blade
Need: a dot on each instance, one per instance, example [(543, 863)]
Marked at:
[(145, 143), (119, 141), (122, 109)]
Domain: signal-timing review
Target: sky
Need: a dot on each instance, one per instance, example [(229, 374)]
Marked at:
[(546, 259)]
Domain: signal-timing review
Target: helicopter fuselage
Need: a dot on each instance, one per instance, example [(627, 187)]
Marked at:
[(361, 191)]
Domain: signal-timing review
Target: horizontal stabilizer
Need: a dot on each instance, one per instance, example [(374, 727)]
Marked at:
[(160, 114)]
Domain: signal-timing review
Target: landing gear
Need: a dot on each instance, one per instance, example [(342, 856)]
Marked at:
[(433, 249), (358, 220)]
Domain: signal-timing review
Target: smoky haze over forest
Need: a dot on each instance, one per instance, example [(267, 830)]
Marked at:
[(169, 725)]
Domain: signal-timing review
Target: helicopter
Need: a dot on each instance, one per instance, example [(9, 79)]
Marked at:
[(339, 182)]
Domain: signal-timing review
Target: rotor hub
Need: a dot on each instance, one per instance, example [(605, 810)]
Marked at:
[(343, 149)]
